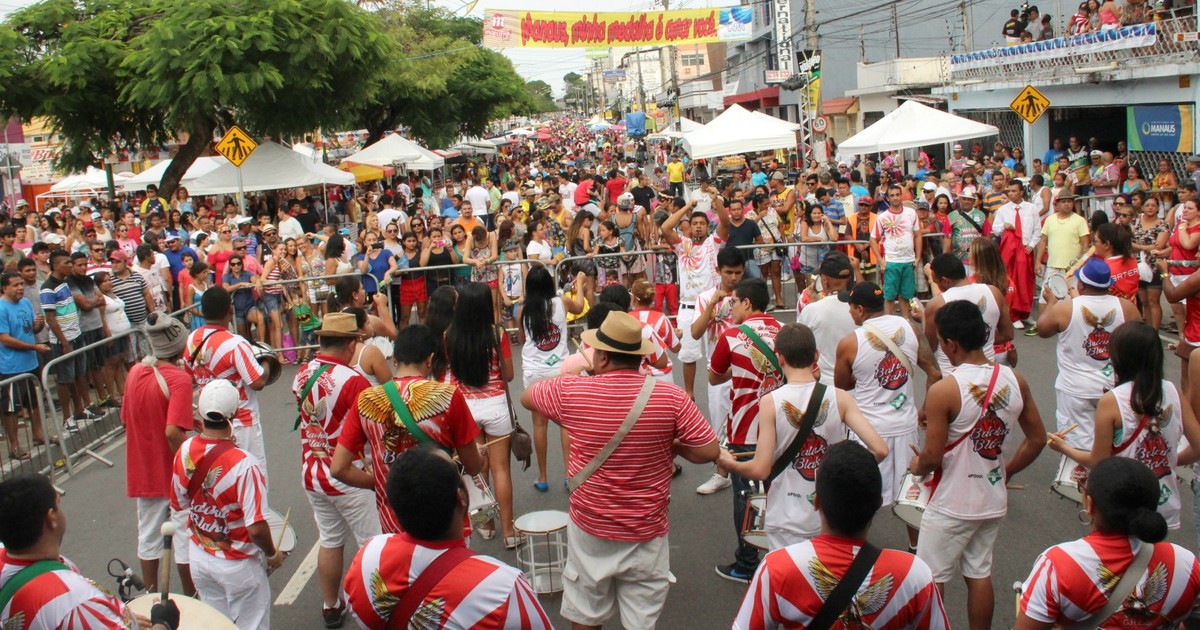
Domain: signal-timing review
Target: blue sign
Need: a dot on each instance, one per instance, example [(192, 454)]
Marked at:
[(1159, 128)]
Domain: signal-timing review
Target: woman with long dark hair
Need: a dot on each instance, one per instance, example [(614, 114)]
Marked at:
[(544, 320), (348, 291), (984, 256), (480, 360), (1119, 503), (1142, 417), (368, 357), (1114, 245), (438, 318)]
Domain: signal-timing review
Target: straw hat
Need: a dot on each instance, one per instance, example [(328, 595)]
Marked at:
[(620, 332), (338, 325)]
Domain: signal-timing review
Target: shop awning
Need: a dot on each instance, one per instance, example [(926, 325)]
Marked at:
[(758, 99)]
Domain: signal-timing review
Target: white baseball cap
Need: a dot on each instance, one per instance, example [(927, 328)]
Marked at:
[(218, 401), (929, 186)]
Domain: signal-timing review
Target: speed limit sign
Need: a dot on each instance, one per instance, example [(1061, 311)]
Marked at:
[(820, 124)]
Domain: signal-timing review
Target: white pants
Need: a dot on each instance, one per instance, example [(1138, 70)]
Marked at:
[(719, 406), (336, 516), (152, 513), (601, 575), (238, 589), (1070, 410), (250, 439), (690, 350), (893, 467)]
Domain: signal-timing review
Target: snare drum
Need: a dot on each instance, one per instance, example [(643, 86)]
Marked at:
[(914, 496), (754, 522), (287, 540), (267, 359), (482, 506), (1066, 482), (193, 613)]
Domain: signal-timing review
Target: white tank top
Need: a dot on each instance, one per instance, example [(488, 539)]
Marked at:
[(790, 512), (1084, 369), (970, 484), (1155, 445), (883, 388), (981, 296), (544, 355), (358, 367)]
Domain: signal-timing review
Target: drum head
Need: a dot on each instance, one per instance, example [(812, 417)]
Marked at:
[(288, 541), (193, 613), (758, 501), (756, 538), (909, 513), (1058, 287)]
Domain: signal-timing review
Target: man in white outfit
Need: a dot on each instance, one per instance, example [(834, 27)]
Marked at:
[(829, 317)]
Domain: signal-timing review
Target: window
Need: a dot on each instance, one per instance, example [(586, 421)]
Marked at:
[(692, 59)]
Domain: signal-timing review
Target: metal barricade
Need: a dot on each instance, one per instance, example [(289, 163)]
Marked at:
[(47, 457), (92, 434)]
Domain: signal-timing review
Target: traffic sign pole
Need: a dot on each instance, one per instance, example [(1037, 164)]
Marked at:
[(241, 192)]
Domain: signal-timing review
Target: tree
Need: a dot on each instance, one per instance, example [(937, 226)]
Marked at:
[(542, 95), (577, 93), (144, 72)]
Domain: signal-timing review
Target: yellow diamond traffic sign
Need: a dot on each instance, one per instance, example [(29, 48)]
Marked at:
[(1030, 104), (236, 145)]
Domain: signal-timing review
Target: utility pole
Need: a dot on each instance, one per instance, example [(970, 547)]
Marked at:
[(673, 60), (811, 39), (896, 29), (967, 43), (641, 86), (862, 43)]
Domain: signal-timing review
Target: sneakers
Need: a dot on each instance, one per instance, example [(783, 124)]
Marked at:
[(715, 484), (1031, 331), (71, 426), (1018, 324), (733, 574), (334, 617)]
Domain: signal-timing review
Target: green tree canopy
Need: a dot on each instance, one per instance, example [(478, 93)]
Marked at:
[(144, 72)]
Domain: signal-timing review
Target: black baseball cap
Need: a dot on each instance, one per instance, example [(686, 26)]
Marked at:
[(865, 294), (837, 265)]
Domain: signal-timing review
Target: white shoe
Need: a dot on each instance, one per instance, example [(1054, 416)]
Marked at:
[(715, 484), (1018, 324)]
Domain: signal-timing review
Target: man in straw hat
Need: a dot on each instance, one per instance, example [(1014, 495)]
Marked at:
[(326, 389), (156, 424), (232, 547), (617, 541)]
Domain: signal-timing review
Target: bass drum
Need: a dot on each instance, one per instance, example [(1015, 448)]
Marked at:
[(193, 613), (266, 358)]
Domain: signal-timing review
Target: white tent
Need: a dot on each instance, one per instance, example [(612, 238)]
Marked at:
[(687, 125), (914, 125), (270, 167), (738, 130), (91, 180), (392, 150), (427, 162)]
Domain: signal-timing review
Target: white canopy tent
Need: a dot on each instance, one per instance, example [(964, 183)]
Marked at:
[(93, 179), (687, 125), (914, 125), (270, 167), (427, 162), (738, 130), (390, 151)]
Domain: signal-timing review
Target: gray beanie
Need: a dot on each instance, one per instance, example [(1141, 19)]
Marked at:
[(167, 335)]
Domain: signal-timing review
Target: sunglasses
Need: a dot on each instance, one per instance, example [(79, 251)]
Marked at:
[(235, 264), (98, 250), (1125, 214), (238, 249)]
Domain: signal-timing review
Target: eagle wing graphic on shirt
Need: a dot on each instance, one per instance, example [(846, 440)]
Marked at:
[(795, 417), (1151, 593), (426, 399), (878, 344), (15, 622), (384, 600), (430, 616), (867, 601), (1092, 320), (1000, 397)]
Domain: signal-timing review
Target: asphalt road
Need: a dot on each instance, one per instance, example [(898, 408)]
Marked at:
[(102, 522)]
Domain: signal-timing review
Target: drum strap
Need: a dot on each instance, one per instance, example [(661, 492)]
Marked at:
[(420, 588), (891, 346), (1132, 436), (839, 599), (308, 385), (762, 346), (639, 405), (784, 461), (1123, 587), (987, 400), (205, 464), (27, 575)]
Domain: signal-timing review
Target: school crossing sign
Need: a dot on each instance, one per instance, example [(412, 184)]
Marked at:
[(1030, 104)]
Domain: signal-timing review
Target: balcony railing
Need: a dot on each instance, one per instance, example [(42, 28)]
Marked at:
[(1153, 43)]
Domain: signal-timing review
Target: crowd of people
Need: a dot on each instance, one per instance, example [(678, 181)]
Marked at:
[(406, 304), (1027, 24)]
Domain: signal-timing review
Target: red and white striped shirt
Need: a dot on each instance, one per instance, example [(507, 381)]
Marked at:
[(626, 498), (331, 397), (792, 584), (752, 375), (228, 356), (481, 592), (60, 600), (231, 498), (1071, 582), (664, 337), (439, 409)]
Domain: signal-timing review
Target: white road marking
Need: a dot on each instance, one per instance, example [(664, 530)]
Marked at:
[(303, 573)]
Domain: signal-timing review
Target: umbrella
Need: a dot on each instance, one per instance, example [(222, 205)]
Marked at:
[(366, 172)]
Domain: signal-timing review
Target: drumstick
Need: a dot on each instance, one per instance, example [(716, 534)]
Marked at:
[(746, 454), (164, 567), (1012, 487), (1083, 258), (497, 440), (1067, 430), (283, 529)]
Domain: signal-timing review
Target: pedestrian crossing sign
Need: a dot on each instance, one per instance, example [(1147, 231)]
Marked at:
[(1030, 104), (236, 145)]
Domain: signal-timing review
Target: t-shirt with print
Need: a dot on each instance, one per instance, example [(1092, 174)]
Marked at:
[(792, 584), (439, 409), (721, 320), (332, 395), (894, 231), (228, 356), (60, 600), (697, 266), (752, 374), (963, 232), (56, 296), (16, 321), (146, 413), (543, 353), (231, 498)]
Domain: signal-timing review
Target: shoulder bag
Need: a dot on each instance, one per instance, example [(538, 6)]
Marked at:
[(639, 405), (1122, 588)]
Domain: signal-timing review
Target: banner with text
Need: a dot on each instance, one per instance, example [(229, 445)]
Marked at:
[(570, 29), (1160, 128)]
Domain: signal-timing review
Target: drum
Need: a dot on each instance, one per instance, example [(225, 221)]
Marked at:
[(1058, 287), (266, 358), (544, 553), (193, 613), (914, 496), (754, 522), (482, 506), (286, 541), (1067, 481)]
